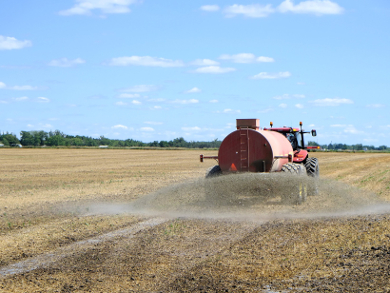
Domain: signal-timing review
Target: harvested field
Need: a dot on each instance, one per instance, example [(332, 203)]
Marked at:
[(146, 221)]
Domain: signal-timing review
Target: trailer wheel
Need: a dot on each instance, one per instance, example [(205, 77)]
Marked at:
[(312, 167), (213, 171), (292, 168), (298, 192)]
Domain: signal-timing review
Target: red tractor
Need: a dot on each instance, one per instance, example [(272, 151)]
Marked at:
[(251, 149)]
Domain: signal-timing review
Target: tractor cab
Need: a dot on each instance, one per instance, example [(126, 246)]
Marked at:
[(296, 137)]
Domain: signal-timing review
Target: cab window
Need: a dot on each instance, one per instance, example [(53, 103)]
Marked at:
[(293, 140)]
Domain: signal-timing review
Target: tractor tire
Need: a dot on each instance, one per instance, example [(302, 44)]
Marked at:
[(213, 171), (292, 168), (313, 170), (298, 193), (312, 167)]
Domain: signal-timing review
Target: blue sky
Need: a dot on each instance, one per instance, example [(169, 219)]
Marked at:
[(158, 70)]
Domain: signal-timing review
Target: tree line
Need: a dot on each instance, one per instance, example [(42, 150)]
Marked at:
[(353, 147), (58, 138)]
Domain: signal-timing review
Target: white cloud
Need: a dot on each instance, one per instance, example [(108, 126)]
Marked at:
[(348, 128), (331, 102), (43, 100), (23, 88), (157, 107), (239, 58), (370, 140), (18, 87), (231, 111), (266, 75), (147, 129), (204, 62), (254, 10), (85, 7), (352, 130), (136, 102), (375, 106), (10, 43), (193, 90), (210, 8), (265, 59), (129, 96), (3, 102), (287, 96), (317, 7), (119, 126), (283, 105), (20, 99), (65, 62), (245, 58), (195, 128), (191, 101), (145, 61), (213, 101), (120, 103), (143, 88), (214, 69), (299, 106), (47, 125)]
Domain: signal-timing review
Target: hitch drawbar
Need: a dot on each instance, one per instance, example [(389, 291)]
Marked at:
[(208, 157)]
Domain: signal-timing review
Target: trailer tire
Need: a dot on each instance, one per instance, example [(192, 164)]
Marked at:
[(298, 194), (213, 171), (292, 168)]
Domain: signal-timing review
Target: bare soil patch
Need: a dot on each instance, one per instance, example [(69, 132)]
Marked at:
[(223, 240)]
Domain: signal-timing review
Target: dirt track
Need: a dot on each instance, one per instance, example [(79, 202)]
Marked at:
[(57, 199)]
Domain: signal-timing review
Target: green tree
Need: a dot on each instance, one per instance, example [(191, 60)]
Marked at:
[(55, 140), (164, 144), (104, 141), (26, 138), (358, 147), (77, 141), (5, 141), (9, 139), (312, 143)]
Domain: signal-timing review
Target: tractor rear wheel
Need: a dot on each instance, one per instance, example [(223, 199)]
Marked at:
[(313, 170), (298, 194), (213, 171), (312, 167)]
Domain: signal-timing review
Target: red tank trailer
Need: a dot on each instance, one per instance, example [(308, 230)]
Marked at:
[(252, 149)]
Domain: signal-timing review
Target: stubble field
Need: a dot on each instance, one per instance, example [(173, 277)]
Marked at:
[(75, 220)]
